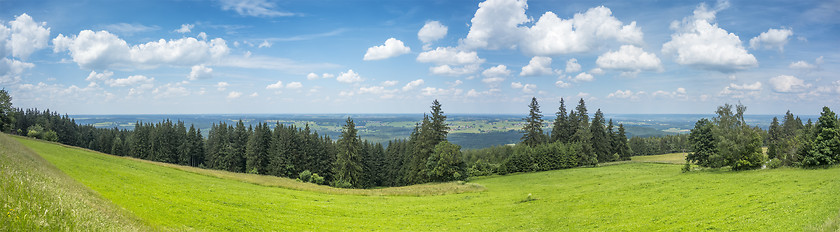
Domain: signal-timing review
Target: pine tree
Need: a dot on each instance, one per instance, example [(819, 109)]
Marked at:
[(532, 131), (256, 153), (348, 163), (439, 128), (583, 136), (600, 138), (623, 147), (560, 131), (774, 135)]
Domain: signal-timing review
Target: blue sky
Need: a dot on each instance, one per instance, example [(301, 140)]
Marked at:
[(263, 56)]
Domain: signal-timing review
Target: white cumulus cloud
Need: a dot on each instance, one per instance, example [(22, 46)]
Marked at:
[(586, 31), (700, 43), (432, 31), (583, 77), (413, 84), (294, 85), (221, 86), (495, 25), (200, 72), (277, 85), (572, 66), (772, 39), (788, 84), (349, 77), (538, 66), (185, 28), (25, 37), (629, 59), (311, 76), (392, 48), (130, 81), (234, 95)]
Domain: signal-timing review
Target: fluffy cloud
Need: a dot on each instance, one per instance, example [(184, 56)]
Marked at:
[(451, 61), (538, 66), (10, 70), (447, 70), (200, 72), (450, 56), (496, 71), (572, 66), (700, 43), (680, 92), (431, 32), (130, 81), (583, 77), (389, 83), (93, 76), (185, 28), (805, 66), (391, 48), (255, 8), (773, 38), (431, 91), (495, 24), (740, 91), (413, 84), (788, 84), (25, 36), (221, 86), (311, 76), (294, 85), (102, 50), (562, 84), (629, 59), (526, 88), (495, 74), (349, 77), (626, 94), (552, 35), (264, 44), (234, 95), (277, 85)]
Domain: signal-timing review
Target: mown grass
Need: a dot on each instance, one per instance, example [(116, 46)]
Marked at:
[(35, 196), (626, 197)]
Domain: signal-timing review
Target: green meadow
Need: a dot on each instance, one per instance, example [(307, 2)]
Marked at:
[(86, 190)]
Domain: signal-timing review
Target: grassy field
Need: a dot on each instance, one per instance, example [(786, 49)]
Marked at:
[(35, 196), (670, 158), (634, 196)]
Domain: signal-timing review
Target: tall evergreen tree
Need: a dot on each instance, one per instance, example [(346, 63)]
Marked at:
[(256, 153), (439, 128), (348, 163), (561, 130), (532, 131), (774, 135), (601, 140), (623, 148), (583, 136)]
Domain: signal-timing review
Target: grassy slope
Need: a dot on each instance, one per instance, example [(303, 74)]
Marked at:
[(35, 196), (633, 196)]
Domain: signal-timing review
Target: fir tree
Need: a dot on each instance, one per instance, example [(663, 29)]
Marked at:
[(532, 131), (348, 163)]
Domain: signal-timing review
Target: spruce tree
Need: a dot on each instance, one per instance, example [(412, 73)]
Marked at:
[(532, 131), (601, 141), (560, 130), (824, 149), (348, 163), (623, 147), (583, 136), (773, 136), (439, 128)]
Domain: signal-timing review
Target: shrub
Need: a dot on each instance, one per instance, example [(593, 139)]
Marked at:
[(316, 179), (305, 176), (775, 163)]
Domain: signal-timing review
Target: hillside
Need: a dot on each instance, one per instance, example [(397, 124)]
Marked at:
[(632, 196)]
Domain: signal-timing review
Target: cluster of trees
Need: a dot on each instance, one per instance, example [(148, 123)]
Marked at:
[(573, 141), (659, 145), (793, 144), (285, 151), (727, 140)]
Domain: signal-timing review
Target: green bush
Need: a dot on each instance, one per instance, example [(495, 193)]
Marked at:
[(775, 163), (316, 179), (305, 176)]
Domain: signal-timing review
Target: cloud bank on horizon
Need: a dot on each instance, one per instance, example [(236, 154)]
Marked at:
[(261, 56)]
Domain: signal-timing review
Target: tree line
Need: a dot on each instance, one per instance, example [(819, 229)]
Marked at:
[(727, 141), (281, 150), (573, 141)]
